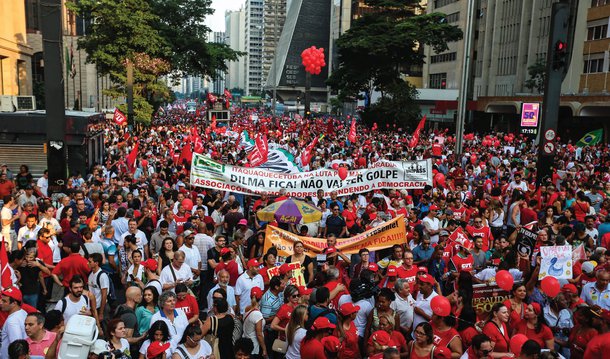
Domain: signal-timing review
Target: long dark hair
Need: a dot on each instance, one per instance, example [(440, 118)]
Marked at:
[(428, 330), (158, 325), (190, 331), (155, 295)]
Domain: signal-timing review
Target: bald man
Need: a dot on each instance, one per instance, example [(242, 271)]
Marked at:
[(127, 311)]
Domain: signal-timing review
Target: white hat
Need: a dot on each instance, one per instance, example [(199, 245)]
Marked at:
[(99, 346)]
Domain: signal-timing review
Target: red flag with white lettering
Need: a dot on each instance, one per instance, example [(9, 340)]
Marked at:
[(119, 118), (259, 154), (197, 142), (306, 155), (352, 132), (420, 127)]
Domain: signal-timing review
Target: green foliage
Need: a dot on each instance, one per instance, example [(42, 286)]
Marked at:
[(397, 107), (537, 72), (380, 48)]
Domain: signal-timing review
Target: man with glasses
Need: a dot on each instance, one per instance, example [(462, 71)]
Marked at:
[(192, 255), (176, 272), (480, 230), (407, 270), (481, 348)]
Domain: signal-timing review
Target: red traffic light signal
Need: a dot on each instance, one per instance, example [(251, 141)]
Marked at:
[(561, 46), (560, 55)]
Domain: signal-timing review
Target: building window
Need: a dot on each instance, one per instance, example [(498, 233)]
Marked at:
[(594, 63), (596, 3), (455, 17), (438, 81), (450, 56), (441, 3), (597, 32)]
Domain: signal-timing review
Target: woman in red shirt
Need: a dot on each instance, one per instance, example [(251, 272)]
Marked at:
[(582, 333), (423, 345), (496, 329), (311, 346), (269, 262), (534, 328), (350, 214), (445, 335), (516, 305), (346, 331), (281, 319)]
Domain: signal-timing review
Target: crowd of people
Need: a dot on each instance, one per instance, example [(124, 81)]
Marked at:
[(170, 270)]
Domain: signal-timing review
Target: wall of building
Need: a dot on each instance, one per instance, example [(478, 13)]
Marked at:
[(253, 46), (15, 52), (235, 31)]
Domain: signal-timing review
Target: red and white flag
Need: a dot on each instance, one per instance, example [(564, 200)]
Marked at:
[(352, 132), (228, 95), (460, 237), (420, 127), (197, 142), (213, 124), (5, 281), (131, 158), (259, 154), (306, 155), (186, 154), (119, 118)]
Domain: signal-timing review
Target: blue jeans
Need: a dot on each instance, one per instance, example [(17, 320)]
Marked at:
[(31, 299)]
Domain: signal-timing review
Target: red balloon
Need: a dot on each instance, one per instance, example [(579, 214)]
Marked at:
[(187, 203), (505, 280), (342, 173), (335, 166), (516, 343), (440, 306), (550, 286)]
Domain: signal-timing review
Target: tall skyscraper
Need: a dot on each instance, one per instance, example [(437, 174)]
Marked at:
[(274, 18), (218, 82), (254, 46), (235, 22)]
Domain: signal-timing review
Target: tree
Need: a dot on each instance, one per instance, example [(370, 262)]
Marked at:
[(378, 51), (160, 37), (537, 72)]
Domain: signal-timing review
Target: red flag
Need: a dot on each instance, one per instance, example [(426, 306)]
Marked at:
[(213, 124), (119, 118), (307, 153), (228, 95), (198, 143), (415, 138), (259, 154), (351, 137), (131, 159), (5, 281), (186, 154)]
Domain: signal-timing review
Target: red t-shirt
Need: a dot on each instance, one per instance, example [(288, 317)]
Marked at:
[(409, 274), (70, 266), (502, 342), (598, 347), (463, 264), (312, 349), (349, 348), (232, 268), (180, 221), (189, 306), (6, 188), (45, 253), (540, 338), (484, 232), (445, 337), (332, 285), (579, 341), (283, 314)]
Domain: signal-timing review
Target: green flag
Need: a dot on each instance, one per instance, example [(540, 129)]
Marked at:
[(591, 138)]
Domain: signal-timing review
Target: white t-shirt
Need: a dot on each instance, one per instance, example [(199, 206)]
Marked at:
[(434, 225), (404, 308), (294, 349), (25, 234), (141, 240), (43, 184), (183, 274), (250, 327), (192, 257), (362, 316), (243, 286), (205, 350), (203, 243), (176, 329), (71, 307), (423, 304), (13, 329), (6, 214), (97, 290)]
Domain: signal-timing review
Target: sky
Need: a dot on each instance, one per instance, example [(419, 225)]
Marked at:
[(216, 22)]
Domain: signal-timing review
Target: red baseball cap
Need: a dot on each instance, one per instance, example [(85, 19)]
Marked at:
[(422, 269), (13, 292), (442, 352), (331, 250), (253, 263), (155, 349), (323, 323), (373, 267), (224, 251), (348, 308), (569, 288), (331, 344), (391, 271), (150, 264), (284, 268), (426, 278), (304, 290), (257, 292), (382, 338), (434, 208)]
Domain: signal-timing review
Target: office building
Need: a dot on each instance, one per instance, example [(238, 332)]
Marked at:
[(254, 12), (273, 23), (235, 22), (15, 50)]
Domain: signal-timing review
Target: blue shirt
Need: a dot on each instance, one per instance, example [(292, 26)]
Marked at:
[(271, 303), (603, 229), (421, 254), (315, 311)]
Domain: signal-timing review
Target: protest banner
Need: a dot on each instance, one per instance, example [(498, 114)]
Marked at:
[(484, 296), (208, 173), (384, 236), (526, 240), (556, 262)]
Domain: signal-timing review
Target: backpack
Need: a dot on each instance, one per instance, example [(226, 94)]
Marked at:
[(312, 318), (111, 295), (64, 303)]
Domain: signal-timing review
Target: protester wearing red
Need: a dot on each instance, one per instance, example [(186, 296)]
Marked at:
[(407, 270), (187, 303), (480, 230), (534, 328), (70, 266), (229, 264), (496, 328), (311, 346), (346, 330)]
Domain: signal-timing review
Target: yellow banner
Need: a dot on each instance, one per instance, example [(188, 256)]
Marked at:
[(381, 237)]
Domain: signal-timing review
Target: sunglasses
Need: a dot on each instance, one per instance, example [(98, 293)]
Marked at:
[(294, 296)]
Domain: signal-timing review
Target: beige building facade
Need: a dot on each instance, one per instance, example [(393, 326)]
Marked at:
[(15, 52)]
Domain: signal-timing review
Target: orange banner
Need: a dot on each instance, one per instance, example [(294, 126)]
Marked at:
[(381, 237)]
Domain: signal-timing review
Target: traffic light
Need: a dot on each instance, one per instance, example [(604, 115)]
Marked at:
[(560, 55)]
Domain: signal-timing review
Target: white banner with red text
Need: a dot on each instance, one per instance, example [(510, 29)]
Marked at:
[(208, 173)]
